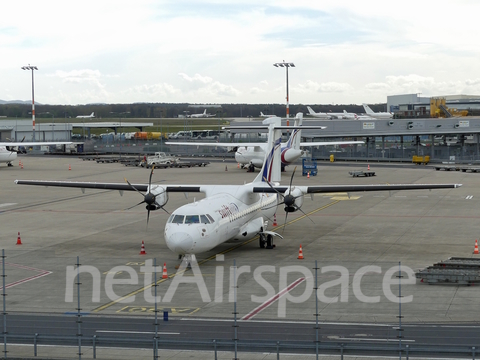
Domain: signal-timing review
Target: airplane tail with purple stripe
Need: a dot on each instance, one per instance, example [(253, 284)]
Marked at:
[(271, 170)]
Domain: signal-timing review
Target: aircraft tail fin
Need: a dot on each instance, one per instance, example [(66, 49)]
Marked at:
[(261, 114), (271, 170), (367, 109), (310, 110), (92, 114), (294, 140)]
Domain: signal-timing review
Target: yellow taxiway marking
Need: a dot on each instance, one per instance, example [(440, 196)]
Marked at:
[(201, 262)]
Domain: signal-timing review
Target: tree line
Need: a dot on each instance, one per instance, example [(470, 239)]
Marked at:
[(169, 110)]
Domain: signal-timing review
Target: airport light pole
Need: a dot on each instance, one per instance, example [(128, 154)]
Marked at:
[(32, 67), (286, 65)]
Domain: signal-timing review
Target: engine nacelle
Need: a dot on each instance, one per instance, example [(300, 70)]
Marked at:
[(293, 199), (290, 155), (161, 197)]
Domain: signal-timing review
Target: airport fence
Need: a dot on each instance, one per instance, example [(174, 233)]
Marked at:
[(373, 152), (82, 342), (98, 346)]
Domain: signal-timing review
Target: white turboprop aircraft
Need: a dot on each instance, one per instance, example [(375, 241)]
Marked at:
[(8, 150), (318, 114), (254, 152), (92, 115), (377, 115), (230, 212), (266, 116), (202, 115)]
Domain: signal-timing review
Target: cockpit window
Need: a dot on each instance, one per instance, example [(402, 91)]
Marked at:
[(178, 219), (211, 219), (192, 219), (204, 219), (170, 218)]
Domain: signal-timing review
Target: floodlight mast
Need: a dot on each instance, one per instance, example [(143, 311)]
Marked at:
[(32, 67), (286, 65)]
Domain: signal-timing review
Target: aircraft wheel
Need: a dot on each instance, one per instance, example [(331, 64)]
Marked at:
[(270, 242), (262, 241)]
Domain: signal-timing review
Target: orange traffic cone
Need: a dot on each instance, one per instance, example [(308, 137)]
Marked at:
[(164, 275), (142, 251), (19, 162), (300, 253), (21, 165), (69, 167), (474, 251), (19, 241), (308, 175), (238, 165), (368, 166), (275, 220)]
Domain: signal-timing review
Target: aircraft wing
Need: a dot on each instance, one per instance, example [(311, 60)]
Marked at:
[(226, 144), (108, 186), (353, 188), (34, 143), (324, 143)]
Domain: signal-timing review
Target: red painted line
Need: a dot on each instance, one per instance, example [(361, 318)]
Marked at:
[(274, 298), (15, 283), (30, 278)]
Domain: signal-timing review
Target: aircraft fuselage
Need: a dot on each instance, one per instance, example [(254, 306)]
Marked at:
[(7, 156), (227, 216)]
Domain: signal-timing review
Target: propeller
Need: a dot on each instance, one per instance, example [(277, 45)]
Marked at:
[(289, 200), (148, 198)]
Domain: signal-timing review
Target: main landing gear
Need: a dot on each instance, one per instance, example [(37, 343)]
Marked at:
[(266, 241)]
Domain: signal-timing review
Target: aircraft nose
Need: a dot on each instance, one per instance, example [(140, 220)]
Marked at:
[(179, 242)]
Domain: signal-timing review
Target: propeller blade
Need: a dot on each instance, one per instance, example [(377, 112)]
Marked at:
[(268, 183), (148, 216), (131, 207), (303, 212), (133, 187), (161, 207), (150, 179), (291, 179), (285, 223)]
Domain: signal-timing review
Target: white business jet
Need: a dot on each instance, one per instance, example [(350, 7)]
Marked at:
[(230, 212), (254, 152), (8, 150), (377, 115)]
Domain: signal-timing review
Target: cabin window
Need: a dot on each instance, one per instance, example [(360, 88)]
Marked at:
[(210, 218), (192, 219), (178, 219), (204, 219)]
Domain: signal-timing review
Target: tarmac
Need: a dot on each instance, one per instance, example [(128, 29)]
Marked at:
[(363, 236)]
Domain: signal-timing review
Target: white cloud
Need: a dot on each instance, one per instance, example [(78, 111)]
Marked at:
[(213, 51)]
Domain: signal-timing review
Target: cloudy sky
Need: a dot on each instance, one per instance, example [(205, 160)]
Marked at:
[(221, 51)]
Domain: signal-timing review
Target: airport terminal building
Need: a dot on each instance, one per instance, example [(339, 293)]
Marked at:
[(412, 132)]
